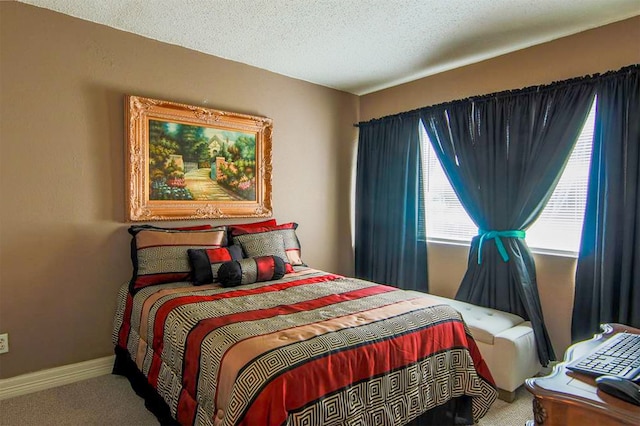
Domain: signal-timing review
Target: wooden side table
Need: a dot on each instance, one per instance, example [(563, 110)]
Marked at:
[(567, 398)]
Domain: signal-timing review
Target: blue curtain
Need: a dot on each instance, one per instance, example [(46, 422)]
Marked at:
[(608, 273), (388, 210), (504, 154)]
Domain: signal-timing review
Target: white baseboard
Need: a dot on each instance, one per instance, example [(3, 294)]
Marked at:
[(53, 377)]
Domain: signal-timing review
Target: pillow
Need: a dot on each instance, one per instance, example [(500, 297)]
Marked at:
[(292, 247), (182, 228), (264, 223), (206, 262), (265, 244), (160, 255), (251, 226), (251, 270)]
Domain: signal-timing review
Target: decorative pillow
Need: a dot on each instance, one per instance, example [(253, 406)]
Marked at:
[(180, 228), (253, 225), (251, 270), (206, 262), (288, 231), (160, 255), (265, 244)]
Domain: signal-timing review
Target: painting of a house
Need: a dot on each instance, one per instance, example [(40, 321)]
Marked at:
[(188, 162)]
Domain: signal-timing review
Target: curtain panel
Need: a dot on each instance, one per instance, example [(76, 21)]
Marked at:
[(504, 155), (608, 273), (388, 209)]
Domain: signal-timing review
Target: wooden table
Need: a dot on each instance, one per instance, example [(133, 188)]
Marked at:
[(567, 398)]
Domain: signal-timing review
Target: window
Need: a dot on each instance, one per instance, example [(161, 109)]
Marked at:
[(559, 227)]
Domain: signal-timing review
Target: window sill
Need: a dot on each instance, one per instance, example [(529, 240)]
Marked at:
[(534, 250)]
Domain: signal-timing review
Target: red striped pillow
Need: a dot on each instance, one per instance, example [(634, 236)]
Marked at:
[(251, 270), (253, 225), (160, 255)]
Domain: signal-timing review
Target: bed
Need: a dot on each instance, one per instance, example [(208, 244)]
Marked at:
[(306, 348)]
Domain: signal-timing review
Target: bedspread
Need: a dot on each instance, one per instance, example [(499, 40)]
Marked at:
[(311, 348)]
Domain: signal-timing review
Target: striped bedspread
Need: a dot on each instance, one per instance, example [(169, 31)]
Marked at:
[(312, 348)]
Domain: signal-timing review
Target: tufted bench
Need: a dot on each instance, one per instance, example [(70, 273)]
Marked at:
[(505, 341)]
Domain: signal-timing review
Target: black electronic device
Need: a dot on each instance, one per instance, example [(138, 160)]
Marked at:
[(620, 388), (617, 356)]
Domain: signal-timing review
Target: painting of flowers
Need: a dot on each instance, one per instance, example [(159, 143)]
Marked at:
[(190, 162)]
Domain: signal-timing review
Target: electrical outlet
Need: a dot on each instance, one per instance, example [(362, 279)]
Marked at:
[(4, 343)]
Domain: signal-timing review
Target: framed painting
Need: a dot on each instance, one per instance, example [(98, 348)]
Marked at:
[(190, 162)]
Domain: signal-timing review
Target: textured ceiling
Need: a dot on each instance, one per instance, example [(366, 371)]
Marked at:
[(358, 46)]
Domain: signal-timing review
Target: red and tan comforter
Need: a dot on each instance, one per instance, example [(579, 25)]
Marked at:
[(312, 348)]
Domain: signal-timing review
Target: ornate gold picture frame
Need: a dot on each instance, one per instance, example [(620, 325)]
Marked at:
[(190, 162)]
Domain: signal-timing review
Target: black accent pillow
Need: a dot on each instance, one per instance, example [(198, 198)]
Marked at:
[(205, 263), (251, 270)]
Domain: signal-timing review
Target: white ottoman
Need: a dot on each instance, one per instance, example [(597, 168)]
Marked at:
[(505, 341)]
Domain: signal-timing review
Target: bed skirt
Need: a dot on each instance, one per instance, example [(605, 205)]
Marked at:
[(456, 411)]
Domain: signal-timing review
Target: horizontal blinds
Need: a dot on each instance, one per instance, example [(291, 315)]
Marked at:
[(559, 226), (445, 217)]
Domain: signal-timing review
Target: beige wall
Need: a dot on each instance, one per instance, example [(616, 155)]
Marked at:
[(602, 49), (63, 240)]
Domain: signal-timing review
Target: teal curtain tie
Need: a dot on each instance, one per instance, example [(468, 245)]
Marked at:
[(488, 235)]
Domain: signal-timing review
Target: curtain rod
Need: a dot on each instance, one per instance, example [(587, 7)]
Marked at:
[(574, 80)]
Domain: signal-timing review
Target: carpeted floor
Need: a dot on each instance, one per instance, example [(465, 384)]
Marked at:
[(109, 400)]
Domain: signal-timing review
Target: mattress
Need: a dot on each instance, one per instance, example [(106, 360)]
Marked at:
[(312, 348)]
